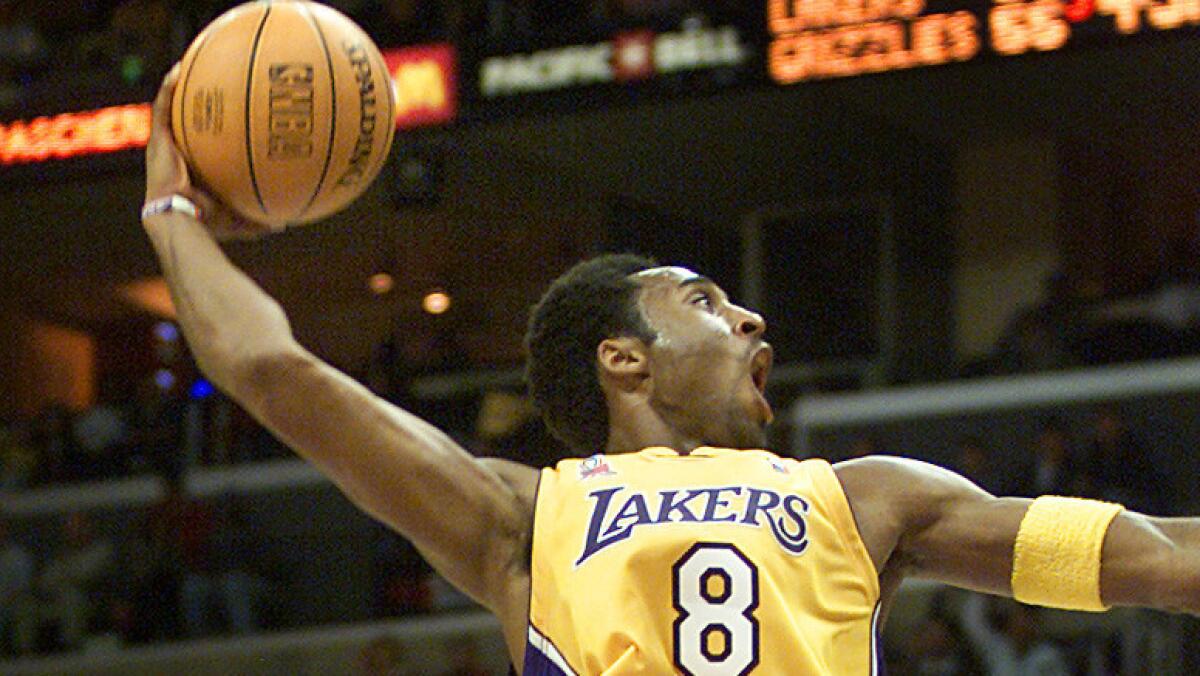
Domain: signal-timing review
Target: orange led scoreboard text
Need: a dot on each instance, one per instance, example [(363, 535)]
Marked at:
[(70, 134), (817, 39)]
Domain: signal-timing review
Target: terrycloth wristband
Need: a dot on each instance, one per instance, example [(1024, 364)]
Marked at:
[(178, 203), (1056, 557)]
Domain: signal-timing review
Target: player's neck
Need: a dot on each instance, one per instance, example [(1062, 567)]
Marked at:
[(635, 423), (636, 433)]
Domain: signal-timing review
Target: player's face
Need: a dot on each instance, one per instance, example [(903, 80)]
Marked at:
[(708, 364)]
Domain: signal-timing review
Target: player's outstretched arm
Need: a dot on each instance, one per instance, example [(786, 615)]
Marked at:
[(469, 517), (931, 523)]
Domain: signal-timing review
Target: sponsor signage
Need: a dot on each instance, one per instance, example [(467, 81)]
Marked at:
[(629, 56), (425, 87), (425, 80)]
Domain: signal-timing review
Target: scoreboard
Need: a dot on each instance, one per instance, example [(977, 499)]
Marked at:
[(817, 39)]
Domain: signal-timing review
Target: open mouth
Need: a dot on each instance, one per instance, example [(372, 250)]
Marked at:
[(760, 367)]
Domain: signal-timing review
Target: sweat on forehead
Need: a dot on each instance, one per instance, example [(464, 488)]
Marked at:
[(668, 279), (666, 271)]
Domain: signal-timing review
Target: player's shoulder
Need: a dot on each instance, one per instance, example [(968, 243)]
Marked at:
[(900, 482), (889, 470)]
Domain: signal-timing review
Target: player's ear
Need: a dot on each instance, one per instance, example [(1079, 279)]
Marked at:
[(623, 359)]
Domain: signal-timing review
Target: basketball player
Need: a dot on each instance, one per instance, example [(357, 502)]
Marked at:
[(675, 546)]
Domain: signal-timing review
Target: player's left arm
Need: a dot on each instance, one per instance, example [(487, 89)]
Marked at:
[(934, 524)]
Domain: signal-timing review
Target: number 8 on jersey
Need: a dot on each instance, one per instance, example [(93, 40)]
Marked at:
[(715, 590)]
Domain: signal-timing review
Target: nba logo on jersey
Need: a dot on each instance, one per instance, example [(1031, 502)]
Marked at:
[(594, 466)]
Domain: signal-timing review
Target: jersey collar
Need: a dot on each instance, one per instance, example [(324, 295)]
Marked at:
[(700, 452)]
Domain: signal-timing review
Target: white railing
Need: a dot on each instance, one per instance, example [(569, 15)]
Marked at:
[(1175, 376), (256, 477)]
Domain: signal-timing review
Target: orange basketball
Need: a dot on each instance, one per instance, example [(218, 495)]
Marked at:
[(284, 110)]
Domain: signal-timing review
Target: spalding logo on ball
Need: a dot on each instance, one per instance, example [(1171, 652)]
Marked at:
[(284, 110)]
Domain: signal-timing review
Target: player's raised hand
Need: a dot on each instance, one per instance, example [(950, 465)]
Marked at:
[(167, 173)]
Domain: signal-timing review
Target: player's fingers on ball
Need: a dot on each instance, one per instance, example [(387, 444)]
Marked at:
[(168, 84), (162, 103)]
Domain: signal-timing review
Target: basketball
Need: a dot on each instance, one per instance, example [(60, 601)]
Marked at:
[(284, 110)]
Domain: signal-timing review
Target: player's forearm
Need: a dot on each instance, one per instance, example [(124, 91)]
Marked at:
[(229, 322), (1152, 561), (1184, 534)]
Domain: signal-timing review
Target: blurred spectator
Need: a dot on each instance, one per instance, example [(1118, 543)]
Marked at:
[(18, 459), (211, 584), (16, 580), (938, 648), (67, 590), (232, 587), (1054, 468), (1119, 467), (974, 461), (383, 656), (402, 578), (1014, 645)]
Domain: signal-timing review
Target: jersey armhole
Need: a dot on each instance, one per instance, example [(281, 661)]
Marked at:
[(830, 488), (545, 477)]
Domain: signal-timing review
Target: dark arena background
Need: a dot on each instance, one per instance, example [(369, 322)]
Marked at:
[(973, 228)]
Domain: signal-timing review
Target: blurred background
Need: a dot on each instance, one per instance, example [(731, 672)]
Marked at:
[(973, 228)]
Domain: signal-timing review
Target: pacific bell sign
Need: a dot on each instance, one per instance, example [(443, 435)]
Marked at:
[(629, 56)]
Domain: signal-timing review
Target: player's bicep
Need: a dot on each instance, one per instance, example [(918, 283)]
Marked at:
[(398, 468), (967, 542), (937, 524)]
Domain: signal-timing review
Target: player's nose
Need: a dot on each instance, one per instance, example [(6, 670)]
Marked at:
[(748, 323)]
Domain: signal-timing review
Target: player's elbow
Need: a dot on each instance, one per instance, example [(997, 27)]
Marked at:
[(236, 359), (259, 377)]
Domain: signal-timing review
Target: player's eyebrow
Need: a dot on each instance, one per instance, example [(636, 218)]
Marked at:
[(695, 280), (701, 280)]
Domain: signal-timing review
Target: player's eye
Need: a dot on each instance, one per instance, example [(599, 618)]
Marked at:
[(703, 300)]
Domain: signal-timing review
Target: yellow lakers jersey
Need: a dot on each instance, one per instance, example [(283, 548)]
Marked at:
[(718, 562)]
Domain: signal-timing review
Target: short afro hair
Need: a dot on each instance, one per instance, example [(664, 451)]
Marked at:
[(592, 301)]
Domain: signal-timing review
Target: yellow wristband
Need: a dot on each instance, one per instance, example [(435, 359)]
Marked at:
[(1056, 557)]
